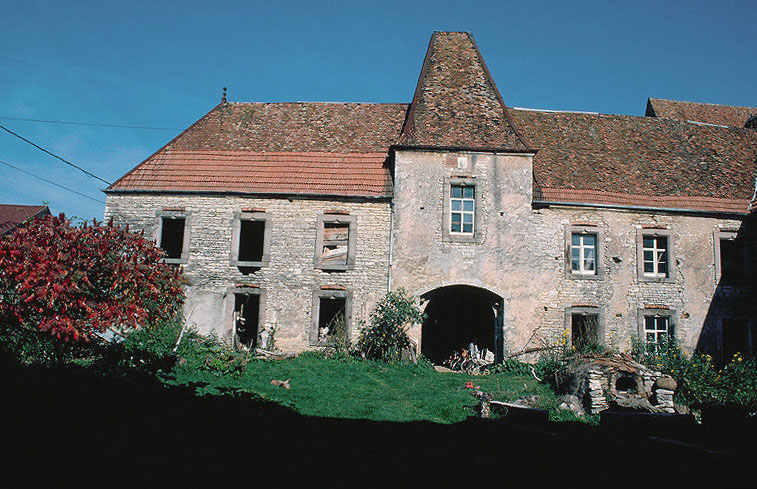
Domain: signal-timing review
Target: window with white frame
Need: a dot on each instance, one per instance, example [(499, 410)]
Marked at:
[(656, 329), (583, 254), (462, 209), (655, 255)]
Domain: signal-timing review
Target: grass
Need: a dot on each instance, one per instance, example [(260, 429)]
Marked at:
[(350, 388)]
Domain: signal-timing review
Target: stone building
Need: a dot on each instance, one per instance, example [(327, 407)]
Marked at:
[(514, 228)]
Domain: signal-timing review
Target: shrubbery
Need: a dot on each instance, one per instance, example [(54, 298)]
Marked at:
[(385, 336), (60, 282), (700, 380)]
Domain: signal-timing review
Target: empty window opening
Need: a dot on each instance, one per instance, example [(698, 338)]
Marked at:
[(737, 338), (462, 209), (457, 316), (332, 320), (584, 330), (731, 261), (335, 243), (583, 254), (655, 249), (251, 240), (658, 332), (172, 236), (246, 318)]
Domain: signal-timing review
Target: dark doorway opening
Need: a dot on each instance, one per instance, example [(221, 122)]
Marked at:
[(172, 236), (331, 319), (457, 316), (246, 318), (251, 239), (584, 330)]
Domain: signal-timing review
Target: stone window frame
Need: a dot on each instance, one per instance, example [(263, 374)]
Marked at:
[(351, 221), (645, 312), (236, 227), (230, 298), (599, 268), (731, 236), (447, 235), (328, 293), (598, 311), (158, 231), (667, 233), (751, 328)]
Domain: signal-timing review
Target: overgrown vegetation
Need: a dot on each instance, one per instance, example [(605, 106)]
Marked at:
[(385, 337), (700, 379)]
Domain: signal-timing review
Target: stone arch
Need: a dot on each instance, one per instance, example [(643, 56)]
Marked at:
[(460, 314)]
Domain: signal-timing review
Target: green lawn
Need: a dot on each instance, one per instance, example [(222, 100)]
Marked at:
[(350, 388)]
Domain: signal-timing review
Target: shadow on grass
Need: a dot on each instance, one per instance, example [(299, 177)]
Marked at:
[(74, 425)]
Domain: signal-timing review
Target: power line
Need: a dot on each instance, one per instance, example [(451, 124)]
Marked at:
[(90, 124), (49, 181), (54, 155)]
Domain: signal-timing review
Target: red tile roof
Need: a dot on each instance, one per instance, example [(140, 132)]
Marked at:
[(279, 148), (723, 115), (314, 173), (456, 103), (640, 161), (12, 215)]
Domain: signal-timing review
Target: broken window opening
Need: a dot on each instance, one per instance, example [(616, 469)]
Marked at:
[(172, 236), (251, 241), (737, 338), (584, 330), (732, 262), (335, 243), (246, 318), (332, 319)]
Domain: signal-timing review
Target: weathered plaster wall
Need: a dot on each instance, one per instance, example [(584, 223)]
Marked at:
[(521, 253), (290, 277)]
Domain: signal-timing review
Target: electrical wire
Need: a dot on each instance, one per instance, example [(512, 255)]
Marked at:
[(50, 182), (54, 155), (121, 126)]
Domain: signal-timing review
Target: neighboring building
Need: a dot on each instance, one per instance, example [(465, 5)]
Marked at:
[(13, 215), (514, 228)]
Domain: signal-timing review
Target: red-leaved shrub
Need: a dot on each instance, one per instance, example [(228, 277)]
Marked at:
[(73, 280)]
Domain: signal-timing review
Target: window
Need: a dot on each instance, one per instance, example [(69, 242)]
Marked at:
[(331, 317), (656, 328), (584, 324), (738, 337), (462, 209), (246, 304), (335, 242), (655, 255), (730, 258), (584, 252), (250, 239), (462, 213), (172, 235)]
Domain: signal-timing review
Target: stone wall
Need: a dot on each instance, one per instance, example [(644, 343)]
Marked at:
[(520, 254), (290, 278)]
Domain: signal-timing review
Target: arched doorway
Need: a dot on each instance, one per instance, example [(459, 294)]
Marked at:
[(458, 315)]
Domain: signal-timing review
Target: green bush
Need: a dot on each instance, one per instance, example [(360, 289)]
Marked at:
[(386, 335), (700, 380)]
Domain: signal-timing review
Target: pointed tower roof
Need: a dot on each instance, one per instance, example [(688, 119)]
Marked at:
[(456, 103)]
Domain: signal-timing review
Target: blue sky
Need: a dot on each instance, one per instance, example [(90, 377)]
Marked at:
[(163, 64)]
